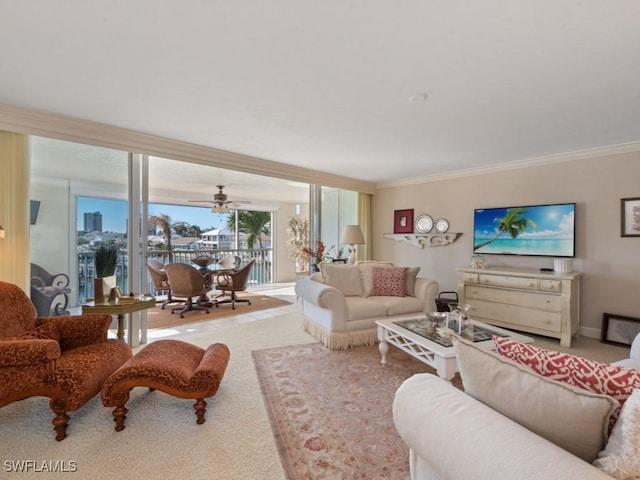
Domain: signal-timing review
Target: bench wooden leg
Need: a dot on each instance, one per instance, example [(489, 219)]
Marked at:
[(200, 407)]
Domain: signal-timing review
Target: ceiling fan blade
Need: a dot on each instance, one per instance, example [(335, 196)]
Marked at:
[(202, 201)]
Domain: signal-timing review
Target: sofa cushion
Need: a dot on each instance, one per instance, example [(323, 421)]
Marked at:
[(360, 308), (621, 458), (616, 381), (366, 273), (574, 419), (391, 281), (345, 278), (399, 305)]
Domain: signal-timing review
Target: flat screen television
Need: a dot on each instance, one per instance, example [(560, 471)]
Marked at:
[(538, 230)]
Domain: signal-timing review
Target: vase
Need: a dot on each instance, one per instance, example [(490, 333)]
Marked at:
[(314, 268), (102, 288)]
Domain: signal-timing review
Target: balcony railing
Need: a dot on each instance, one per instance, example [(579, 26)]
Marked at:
[(261, 273)]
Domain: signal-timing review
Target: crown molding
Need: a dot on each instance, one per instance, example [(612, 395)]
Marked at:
[(46, 124), (518, 164)]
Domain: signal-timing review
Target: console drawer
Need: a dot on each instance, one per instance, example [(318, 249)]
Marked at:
[(522, 283), (515, 297), (517, 316)]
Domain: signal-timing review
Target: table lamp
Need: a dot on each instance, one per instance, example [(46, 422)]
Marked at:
[(352, 235)]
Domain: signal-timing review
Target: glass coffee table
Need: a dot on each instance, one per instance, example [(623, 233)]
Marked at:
[(417, 336)]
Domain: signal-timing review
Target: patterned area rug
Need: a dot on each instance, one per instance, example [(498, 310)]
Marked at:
[(331, 413)]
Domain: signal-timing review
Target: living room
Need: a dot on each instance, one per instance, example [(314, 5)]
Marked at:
[(576, 166)]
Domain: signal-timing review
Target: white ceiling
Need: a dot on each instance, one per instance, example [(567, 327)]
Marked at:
[(326, 85)]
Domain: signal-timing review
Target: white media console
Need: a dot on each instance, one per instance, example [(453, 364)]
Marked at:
[(544, 303)]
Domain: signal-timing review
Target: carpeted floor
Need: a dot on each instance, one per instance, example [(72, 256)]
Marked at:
[(159, 318), (331, 410)]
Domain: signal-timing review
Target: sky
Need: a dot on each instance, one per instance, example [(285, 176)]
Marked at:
[(114, 214)]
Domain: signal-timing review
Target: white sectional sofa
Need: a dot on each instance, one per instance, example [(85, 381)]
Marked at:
[(342, 302)]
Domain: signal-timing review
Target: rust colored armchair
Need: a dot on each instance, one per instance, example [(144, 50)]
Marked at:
[(65, 358)]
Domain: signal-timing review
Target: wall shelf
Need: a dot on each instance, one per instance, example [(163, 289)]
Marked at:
[(419, 240)]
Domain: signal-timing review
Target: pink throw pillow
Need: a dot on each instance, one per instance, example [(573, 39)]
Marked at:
[(614, 381), (390, 281)]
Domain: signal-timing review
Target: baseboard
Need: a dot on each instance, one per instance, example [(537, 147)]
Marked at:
[(590, 332)]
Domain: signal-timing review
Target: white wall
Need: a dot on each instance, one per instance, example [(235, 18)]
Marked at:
[(610, 264)]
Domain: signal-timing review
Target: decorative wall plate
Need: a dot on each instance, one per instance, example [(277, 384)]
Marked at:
[(442, 225), (424, 223)]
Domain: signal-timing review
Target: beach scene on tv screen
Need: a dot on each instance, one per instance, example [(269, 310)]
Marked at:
[(546, 230)]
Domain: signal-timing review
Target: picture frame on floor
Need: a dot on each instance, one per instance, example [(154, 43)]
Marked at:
[(619, 329)]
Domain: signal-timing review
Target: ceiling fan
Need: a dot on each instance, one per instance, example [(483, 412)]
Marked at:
[(221, 202)]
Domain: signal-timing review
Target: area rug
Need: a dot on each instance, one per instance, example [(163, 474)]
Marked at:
[(330, 410), (158, 318)]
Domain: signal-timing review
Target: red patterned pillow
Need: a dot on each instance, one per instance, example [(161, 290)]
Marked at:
[(614, 381), (389, 281)]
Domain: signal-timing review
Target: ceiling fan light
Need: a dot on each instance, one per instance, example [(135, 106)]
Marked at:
[(219, 209)]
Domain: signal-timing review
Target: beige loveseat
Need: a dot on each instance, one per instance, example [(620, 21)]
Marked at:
[(342, 302), (512, 423)]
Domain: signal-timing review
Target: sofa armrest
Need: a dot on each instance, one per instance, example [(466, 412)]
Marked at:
[(326, 297), (23, 352), (442, 425), (427, 290), (80, 330)]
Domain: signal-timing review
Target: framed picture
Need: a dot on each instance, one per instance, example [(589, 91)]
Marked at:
[(630, 217), (619, 330), (403, 221)]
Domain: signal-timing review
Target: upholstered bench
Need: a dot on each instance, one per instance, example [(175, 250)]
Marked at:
[(172, 366)]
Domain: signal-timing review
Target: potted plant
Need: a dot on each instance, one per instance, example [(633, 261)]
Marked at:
[(106, 259)]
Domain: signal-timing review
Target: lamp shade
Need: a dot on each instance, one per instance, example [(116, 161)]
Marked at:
[(352, 235)]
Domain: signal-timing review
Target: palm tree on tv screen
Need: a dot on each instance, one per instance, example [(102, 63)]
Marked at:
[(513, 222)]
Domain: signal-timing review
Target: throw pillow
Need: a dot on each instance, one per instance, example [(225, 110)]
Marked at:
[(366, 272), (46, 331), (345, 278), (621, 456), (574, 419), (412, 273), (616, 381), (390, 281)]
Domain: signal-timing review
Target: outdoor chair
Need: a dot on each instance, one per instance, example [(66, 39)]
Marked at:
[(234, 281), (49, 292), (187, 282), (64, 358)]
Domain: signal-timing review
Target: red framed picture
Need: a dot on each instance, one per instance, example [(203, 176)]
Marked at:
[(403, 221)]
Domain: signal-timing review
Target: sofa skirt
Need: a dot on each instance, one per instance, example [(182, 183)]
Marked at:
[(340, 340)]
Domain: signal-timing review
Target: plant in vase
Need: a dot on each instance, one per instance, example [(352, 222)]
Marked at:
[(315, 256), (106, 259)]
